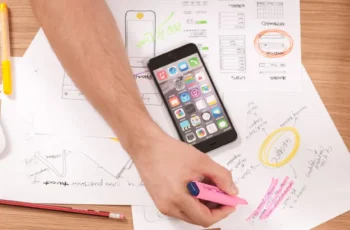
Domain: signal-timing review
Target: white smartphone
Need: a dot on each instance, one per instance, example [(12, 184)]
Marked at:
[(140, 37)]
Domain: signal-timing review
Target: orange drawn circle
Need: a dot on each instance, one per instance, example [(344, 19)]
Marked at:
[(274, 55)]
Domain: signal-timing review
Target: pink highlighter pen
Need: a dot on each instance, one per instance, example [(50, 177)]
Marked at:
[(213, 194)]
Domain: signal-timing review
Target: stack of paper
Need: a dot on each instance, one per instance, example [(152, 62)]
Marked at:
[(289, 162)]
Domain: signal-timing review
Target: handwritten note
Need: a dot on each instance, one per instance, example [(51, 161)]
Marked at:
[(280, 196), (285, 160), (166, 28)]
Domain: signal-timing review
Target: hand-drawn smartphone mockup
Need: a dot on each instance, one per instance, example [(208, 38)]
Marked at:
[(192, 99), (140, 32)]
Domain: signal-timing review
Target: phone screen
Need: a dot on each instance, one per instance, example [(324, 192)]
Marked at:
[(192, 99)]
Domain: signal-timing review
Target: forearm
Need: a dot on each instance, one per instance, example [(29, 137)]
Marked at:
[(85, 38)]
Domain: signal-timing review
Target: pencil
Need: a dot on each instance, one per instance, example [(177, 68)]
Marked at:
[(111, 215)]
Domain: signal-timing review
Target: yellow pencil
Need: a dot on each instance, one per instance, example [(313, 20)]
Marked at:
[(5, 49)]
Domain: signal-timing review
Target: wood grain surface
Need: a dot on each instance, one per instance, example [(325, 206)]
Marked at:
[(326, 56)]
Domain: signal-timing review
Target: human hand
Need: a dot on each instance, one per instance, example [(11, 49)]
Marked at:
[(167, 165)]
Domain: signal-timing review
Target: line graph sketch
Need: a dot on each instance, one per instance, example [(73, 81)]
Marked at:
[(46, 162), (50, 169)]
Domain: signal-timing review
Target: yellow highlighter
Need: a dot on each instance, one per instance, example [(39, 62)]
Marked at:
[(5, 50)]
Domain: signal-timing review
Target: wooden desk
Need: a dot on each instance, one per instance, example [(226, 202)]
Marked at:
[(326, 55)]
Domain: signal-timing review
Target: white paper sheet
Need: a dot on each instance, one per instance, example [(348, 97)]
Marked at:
[(62, 167), (220, 30), (319, 168), (2, 140), (59, 168), (309, 189), (56, 113), (149, 217), (247, 44)]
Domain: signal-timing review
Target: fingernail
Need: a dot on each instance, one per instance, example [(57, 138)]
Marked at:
[(234, 189)]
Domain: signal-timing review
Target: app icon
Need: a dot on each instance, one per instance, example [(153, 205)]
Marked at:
[(201, 104), (201, 133), (162, 75), (212, 128), (211, 100), (189, 80), (200, 76), (185, 125), (206, 88), (190, 137), (193, 61), (185, 97), (206, 116), (222, 123), (172, 71), (216, 112), (190, 109), (174, 101), (179, 84), (179, 113), (195, 121), (195, 92), (183, 66)]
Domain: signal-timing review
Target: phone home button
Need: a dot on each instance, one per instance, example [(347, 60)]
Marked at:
[(214, 143)]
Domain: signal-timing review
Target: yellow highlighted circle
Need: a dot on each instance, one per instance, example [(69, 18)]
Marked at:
[(266, 147)]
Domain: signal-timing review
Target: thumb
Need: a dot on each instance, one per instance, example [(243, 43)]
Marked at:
[(220, 176)]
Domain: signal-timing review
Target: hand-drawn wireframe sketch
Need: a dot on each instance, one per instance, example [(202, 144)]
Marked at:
[(140, 33), (233, 54), (272, 68), (274, 43), (270, 10), (71, 92), (231, 20)]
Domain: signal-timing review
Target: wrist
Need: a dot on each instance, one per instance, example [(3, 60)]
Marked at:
[(141, 138)]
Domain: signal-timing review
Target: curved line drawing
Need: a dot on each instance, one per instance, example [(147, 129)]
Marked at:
[(283, 34), (266, 146), (295, 173), (53, 168)]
